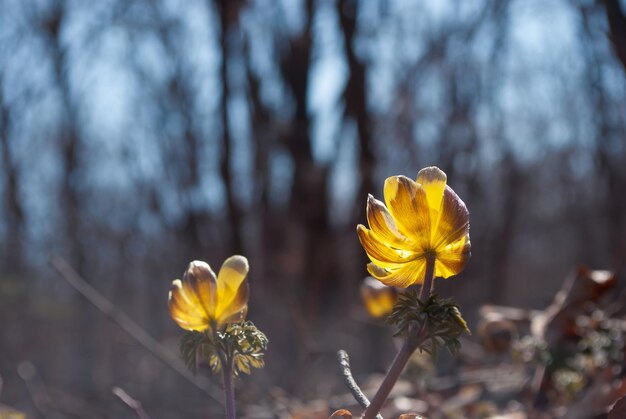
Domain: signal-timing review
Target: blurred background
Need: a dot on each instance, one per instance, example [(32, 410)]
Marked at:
[(136, 136)]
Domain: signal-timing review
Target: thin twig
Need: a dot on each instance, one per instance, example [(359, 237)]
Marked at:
[(130, 402), (135, 331), (359, 396)]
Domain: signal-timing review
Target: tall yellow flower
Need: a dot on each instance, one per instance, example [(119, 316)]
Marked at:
[(202, 302), (423, 220)]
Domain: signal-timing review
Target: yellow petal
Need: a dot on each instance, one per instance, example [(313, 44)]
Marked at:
[(408, 205), (405, 275), (382, 223), (229, 279), (236, 310), (453, 221), (188, 314), (185, 295), (202, 283), (433, 180), (379, 251), (452, 259)]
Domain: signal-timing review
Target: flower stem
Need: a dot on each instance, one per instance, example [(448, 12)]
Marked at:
[(397, 366), (229, 388), (414, 338)]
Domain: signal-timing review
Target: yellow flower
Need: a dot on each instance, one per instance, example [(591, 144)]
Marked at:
[(423, 219), (379, 299), (203, 302)]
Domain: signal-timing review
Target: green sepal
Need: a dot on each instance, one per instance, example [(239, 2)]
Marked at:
[(242, 343), (440, 321)]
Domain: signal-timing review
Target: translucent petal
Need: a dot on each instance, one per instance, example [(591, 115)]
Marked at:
[(182, 292), (184, 310), (380, 251), (433, 180), (231, 276), (407, 203), (452, 258), (453, 222), (382, 223), (201, 281), (237, 307), (405, 275)]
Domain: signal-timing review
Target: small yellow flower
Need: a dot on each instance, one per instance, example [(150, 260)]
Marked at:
[(378, 298), (423, 219), (202, 302)]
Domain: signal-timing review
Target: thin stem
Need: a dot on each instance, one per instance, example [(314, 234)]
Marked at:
[(229, 388), (414, 338), (429, 274)]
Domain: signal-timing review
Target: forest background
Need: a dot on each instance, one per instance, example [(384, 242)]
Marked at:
[(138, 136)]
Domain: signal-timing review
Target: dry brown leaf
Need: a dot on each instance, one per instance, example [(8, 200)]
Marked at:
[(619, 409), (342, 413)]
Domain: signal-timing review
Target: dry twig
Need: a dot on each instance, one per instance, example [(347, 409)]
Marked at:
[(134, 404), (344, 363)]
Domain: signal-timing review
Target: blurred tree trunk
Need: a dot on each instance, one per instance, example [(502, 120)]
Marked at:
[(69, 142), (229, 17), (355, 99), (608, 136), (13, 211), (85, 345), (617, 175), (263, 142), (183, 154), (617, 28), (504, 235), (501, 231), (308, 204)]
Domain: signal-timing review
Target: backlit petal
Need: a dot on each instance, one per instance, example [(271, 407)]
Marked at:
[(403, 276), (229, 279), (379, 251), (232, 312), (407, 203), (453, 222), (185, 310), (201, 281), (452, 258), (433, 180), (382, 223)]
